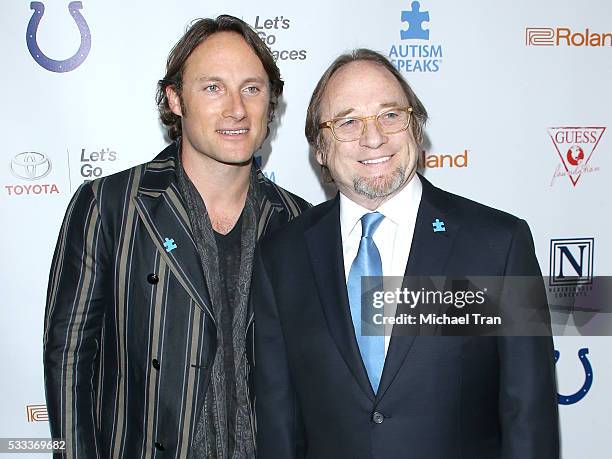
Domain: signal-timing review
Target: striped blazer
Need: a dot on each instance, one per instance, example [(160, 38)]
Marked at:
[(129, 331)]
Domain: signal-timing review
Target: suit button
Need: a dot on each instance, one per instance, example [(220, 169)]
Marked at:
[(153, 278), (155, 363), (377, 417), (159, 446)]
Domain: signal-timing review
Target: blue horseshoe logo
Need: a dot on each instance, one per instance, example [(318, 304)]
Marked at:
[(588, 379), (51, 64)]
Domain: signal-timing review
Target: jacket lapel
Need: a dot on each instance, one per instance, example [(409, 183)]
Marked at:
[(429, 254), (324, 242), (163, 214), (431, 249)]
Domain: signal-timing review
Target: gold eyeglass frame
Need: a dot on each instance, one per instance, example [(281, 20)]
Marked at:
[(330, 123)]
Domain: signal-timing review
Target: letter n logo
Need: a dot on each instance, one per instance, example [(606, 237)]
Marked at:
[(571, 261)]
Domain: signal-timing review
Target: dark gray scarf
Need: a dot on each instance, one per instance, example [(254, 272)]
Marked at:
[(210, 438)]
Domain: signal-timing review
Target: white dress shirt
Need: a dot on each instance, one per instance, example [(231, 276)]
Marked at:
[(393, 237)]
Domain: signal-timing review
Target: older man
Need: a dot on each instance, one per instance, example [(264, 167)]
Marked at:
[(148, 331), (324, 388)]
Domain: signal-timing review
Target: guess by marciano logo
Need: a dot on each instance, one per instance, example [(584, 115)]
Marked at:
[(575, 147)]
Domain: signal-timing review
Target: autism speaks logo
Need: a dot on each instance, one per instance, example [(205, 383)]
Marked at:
[(417, 56), (575, 147), (53, 65)]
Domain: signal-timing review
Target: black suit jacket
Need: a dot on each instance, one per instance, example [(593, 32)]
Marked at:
[(439, 397), (129, 333)]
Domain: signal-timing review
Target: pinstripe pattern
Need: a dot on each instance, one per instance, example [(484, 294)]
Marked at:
[(126, 359), (152, 383), (123, 272)]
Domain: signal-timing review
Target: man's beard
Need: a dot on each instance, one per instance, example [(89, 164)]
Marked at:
[(381, 186)]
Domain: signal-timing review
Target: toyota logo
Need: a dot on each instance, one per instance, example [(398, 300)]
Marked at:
[(30, 165)]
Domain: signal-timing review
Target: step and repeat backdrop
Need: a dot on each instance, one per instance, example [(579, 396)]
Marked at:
[(520, 106)]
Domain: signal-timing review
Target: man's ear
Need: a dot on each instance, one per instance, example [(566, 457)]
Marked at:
[(174, 100), (321, 157)]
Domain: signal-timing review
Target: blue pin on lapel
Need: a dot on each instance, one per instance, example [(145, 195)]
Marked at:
[(438, 226), (169, 244)]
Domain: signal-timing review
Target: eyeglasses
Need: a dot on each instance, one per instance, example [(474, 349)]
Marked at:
[(389, 121)]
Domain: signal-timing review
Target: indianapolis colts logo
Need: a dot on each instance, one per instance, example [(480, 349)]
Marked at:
[(588, 379), (53, 65)]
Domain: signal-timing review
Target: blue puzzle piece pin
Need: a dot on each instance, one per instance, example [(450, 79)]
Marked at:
[(438, 226), (169, 245), (415, 20)]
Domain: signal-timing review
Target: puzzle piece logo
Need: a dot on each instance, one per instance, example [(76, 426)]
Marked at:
[(169, 245), (438, 226), (414, 56), (415, 20)]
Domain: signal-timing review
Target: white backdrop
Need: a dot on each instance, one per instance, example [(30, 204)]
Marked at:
[(497, 94)]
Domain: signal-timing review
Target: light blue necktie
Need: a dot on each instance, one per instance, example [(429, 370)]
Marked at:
[(367, 263)]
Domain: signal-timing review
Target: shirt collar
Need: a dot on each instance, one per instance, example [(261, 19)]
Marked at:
[(350, 214), (401, 209)]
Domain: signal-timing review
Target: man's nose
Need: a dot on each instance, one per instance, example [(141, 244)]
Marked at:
[(372, 137), (235, 107)]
